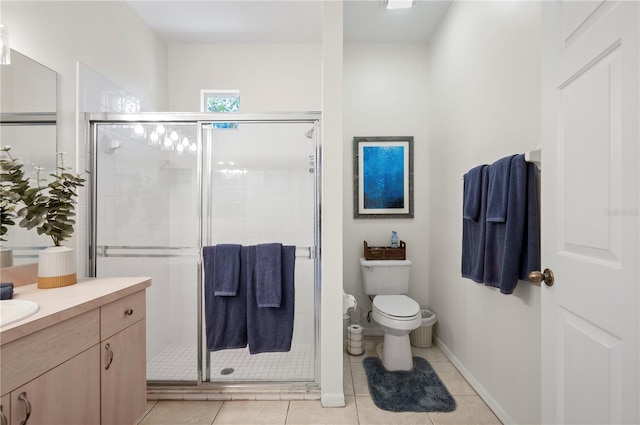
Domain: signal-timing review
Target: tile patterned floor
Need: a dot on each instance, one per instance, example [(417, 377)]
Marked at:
[(359, 409), (174, 363), (294, 365), (180, 363)]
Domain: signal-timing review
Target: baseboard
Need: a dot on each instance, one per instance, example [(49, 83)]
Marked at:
[(504, 417), (332, 400)]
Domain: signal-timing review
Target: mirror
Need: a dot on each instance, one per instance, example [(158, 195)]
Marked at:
[(28, 125)]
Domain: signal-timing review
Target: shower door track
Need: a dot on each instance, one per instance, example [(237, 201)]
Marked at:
[(309, 388)]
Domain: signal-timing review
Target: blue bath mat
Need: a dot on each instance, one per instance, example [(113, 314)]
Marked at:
[(417, 390)]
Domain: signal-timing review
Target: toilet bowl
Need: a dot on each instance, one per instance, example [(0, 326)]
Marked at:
[(396, 313)]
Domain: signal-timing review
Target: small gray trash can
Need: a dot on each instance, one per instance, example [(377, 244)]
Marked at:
[(421, 337)]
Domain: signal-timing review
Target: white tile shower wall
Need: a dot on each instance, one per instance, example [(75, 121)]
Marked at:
[(95, 93), (151, 202), (180, 172), (154, 203), (262, 191), (184, 301)]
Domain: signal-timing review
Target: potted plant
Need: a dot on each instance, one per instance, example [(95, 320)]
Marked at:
[(13, 185), (50, 210)]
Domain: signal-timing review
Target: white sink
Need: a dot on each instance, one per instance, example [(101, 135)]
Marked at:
[(12, 311)]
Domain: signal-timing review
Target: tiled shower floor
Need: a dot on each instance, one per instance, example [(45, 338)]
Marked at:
[(174, 363), (179, 363)]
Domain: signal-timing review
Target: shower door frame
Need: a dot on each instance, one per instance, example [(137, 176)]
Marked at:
[(201, 119)]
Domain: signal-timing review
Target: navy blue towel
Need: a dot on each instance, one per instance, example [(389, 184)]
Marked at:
[(473, 231), (226, 270), (269, 274), (225, 317), (472, 193), (498, 192), (271, 329), (6, 291), (512, 248)]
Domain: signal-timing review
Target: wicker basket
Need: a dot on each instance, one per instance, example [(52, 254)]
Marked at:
[(385, 252)]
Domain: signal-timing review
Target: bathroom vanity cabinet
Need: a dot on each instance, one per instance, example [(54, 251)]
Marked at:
[(81, 359)]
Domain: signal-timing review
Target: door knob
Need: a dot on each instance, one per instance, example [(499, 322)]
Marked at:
[(538, 277)]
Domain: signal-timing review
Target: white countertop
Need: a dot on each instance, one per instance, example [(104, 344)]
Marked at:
[(59, 304)]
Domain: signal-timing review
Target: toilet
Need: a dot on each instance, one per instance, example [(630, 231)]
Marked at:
[(397, 314)]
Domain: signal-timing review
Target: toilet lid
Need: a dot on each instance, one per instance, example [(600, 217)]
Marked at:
[(396, 306)]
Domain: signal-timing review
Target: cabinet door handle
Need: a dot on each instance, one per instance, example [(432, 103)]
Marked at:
[(3, 418), (110, 353), (128, 312), (27, 407)]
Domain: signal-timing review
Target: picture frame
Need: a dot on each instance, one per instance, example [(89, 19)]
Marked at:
[(383, 177)]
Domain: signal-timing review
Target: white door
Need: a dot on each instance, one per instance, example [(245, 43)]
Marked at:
[(590, 188)]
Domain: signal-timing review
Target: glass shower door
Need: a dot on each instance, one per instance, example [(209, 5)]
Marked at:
[(260, 187), (147, 224)]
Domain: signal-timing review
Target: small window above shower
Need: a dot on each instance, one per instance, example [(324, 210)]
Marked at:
[(220, 101)]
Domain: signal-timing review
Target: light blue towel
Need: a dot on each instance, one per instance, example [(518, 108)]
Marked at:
[(269, 274), (225, 317), (498, 192), (473, 231), (512, 248), (472, 193), (271, 329)]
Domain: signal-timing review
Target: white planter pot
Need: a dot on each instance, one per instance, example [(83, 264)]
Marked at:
[(6, 258), (56, 267)]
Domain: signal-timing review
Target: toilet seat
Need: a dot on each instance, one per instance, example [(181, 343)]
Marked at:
[(396, 307)]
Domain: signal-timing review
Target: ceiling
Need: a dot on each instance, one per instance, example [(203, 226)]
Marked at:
[(292, 21)]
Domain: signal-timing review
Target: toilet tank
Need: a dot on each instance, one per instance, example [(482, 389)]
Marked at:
[(385, 277)]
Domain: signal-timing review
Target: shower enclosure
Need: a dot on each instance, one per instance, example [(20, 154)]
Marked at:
[(165, 185)]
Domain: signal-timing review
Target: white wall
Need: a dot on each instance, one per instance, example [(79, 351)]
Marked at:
[(108, 37), (484, 82), (270, 77), (331, 354), (385, 94)]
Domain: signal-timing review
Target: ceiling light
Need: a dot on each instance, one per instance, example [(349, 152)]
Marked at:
[(399, 4)]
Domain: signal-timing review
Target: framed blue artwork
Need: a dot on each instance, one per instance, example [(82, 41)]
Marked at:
[(383, 177)]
